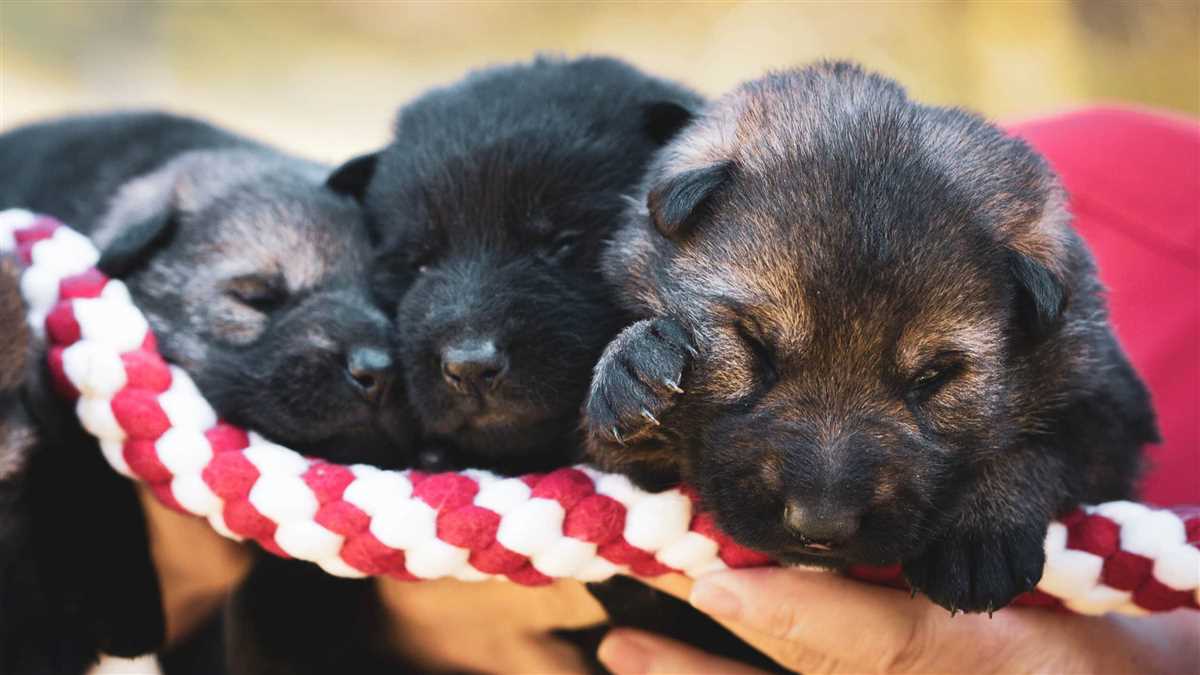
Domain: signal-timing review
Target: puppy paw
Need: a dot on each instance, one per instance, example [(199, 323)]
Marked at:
[(637, 381), (977, 570)]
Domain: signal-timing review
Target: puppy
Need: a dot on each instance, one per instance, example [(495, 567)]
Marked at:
[(17, 439), (491, 205), (869, 335), (252, 274)]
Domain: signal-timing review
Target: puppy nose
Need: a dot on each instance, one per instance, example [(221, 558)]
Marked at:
[(473, 366), (370, 369), (820, 528)]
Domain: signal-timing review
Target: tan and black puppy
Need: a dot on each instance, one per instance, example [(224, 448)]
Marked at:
[(870, 336), (254, 276)]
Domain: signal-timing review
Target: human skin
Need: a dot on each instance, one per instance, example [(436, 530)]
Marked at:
[(198, 568), (819, 622)]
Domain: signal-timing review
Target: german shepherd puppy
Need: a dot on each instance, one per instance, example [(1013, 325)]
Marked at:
[(869, 335), (491, 205), (252, 274)]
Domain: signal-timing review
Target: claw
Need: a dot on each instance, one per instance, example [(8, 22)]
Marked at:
[(953, 612), (617, 435), (692, 350), (650, 417), (673, 386), (990, 609), (912, 591)]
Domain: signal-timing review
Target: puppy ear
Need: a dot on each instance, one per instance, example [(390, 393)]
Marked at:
[(351, 179), (1042, 294), (136, 243), (664, 119), (676, 202)]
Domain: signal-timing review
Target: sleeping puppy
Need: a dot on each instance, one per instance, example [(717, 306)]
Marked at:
[(869, 335), (18, 437), (253, 276), (491, 205)]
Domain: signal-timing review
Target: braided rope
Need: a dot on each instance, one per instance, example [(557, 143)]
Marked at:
[(154, 426)]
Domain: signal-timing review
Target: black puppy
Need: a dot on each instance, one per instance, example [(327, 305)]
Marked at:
[(491, 206), (893, 346), (253, 276)]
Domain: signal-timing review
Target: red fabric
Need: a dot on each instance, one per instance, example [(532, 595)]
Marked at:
[(146, 370), (142, 458), (138, 413), (566, 486), (470, 527), (1134, 180), (58, 374), (328, 481), (598, 519), (61, 324), (89, 284), (446, 491), (230, 476)]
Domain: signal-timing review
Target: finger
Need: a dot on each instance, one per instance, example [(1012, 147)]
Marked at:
[(794, 655), (631, 652), (819, 621)]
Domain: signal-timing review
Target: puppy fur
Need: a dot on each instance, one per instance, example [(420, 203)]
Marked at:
[(491, 205), (868, 335), (254, 277)]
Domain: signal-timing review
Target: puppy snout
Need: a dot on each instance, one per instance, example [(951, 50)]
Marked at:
[(473, 366), (370, 370), (820, 527)]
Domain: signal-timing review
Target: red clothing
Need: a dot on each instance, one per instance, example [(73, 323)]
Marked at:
[(1134, 180)]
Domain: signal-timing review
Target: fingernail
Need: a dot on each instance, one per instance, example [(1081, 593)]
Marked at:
[(624, 655), (712, 598)]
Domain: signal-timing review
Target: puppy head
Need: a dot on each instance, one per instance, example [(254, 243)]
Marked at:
[(492, 204), (253, 275), (863, 275)]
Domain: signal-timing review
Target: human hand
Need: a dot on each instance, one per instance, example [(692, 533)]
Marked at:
[(818, 622)]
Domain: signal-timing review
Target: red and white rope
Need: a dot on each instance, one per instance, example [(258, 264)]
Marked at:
[(154, 426)]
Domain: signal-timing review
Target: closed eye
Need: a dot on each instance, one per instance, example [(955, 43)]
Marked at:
[(563, 244), (262, 293), (764, 357), (937, 373)]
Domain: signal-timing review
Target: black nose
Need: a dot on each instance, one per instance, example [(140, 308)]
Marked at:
[(370, 370), (820, 527), (473, 366)]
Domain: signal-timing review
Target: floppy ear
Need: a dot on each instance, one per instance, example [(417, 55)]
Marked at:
[(1038, 258), (136, 243), (351, 179), (676, 202), (664, 119), (1042, 294)]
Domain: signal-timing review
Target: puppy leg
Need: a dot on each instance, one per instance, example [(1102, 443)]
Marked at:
[(636, 383), (292, 618), (993, 550)]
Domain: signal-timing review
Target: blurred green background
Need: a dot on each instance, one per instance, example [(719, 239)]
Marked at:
[(324, 78)]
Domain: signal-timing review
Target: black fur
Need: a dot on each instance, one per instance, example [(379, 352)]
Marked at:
[(901, 348), (492, 204)]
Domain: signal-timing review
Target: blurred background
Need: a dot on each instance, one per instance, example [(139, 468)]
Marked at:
[(323, 78)]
